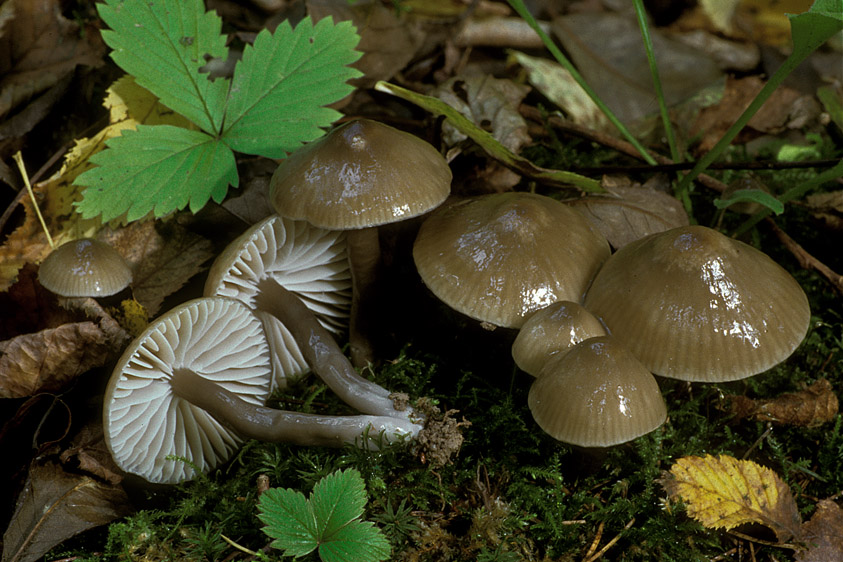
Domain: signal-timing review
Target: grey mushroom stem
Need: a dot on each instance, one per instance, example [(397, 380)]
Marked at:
[(325, 357), (270, 425), (363, 247)]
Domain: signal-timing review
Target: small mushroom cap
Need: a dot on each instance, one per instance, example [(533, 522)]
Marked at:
[(596, 395), (144, 422), (361, 174), (308, 261), (84, 268), (552, 331), (498, 258), (695, 305)]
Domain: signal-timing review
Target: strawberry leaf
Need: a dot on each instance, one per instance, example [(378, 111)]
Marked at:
[(282, 83), (157, 168), (163, 43)]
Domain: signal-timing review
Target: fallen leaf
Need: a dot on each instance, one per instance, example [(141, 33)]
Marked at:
[(823, 534), (628, 212), (724, 492), (607, 50), (38, 48), (54, 506), (163, 257), (489, 102), (88, 453), (810, 407), (389, 40), (827, 207)]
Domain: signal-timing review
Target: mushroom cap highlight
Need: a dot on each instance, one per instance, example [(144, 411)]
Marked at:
[(84, 268), (596, 395), (552, 331), (144, 422), (361, 174), (695, 305), (308, 261), (500, 257)]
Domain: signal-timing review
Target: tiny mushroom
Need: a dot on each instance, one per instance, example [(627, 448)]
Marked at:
[(695, 305), (192, 386), (84, 268), (295, 276), (551, 331), (498, 258), (596, 395), (361, 175)]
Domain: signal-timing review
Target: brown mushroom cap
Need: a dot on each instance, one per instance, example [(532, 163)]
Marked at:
[(596, 395), (361, 174), (84, 268), (551, 331), (695, 305), (498, 258), (145, 422)]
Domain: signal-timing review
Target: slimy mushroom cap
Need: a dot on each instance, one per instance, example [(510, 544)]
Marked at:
[(596, 395), (361, 174), (498, 258), (84, 268), (695, 305)]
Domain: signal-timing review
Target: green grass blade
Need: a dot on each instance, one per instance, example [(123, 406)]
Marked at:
[(156, 169), (283, 82), (488, 143), (163, 43)]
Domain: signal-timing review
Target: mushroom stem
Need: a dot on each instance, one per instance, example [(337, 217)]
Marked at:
[(268, 424), (325, 357), (363, 249)]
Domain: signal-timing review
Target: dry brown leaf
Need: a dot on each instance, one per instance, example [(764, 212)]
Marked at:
[(388, 40), (38, 48), (628, 212), (827, 207), (811, 407), (163, 257), (54, 506), (89, 454), (724, 492), (823, 534)]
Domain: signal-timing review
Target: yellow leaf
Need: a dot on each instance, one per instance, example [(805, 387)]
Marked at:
[(724, 492)]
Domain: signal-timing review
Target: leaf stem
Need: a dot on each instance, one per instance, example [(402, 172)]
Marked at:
[(19, 159)]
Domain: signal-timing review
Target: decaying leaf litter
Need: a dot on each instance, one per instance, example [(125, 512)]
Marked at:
[(512, 492)]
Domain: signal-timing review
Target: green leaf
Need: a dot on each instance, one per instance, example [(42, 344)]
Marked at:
[(282, 83), (157, 169), (488, 143), (330, 519), (163, 43), (751, 196), (289, 520), (816, 26), (356, 542)]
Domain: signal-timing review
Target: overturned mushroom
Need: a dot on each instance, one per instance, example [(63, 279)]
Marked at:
[(193, 385), (499, 258), (361, 175), (695, 305), (295, 275), (84, 268), (596, 395)]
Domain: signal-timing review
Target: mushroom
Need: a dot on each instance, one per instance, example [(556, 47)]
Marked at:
[(695, 305), (309, 261), (84, 268), (192, 386), (295, 276), (596, 395), (498, 258), (361, 175), (552, 331)]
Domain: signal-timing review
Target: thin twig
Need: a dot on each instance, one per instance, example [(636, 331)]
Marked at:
[(611, 543), (806, 260)]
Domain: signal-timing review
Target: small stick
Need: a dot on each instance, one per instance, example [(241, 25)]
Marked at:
[(611, 543), (806, 260)]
